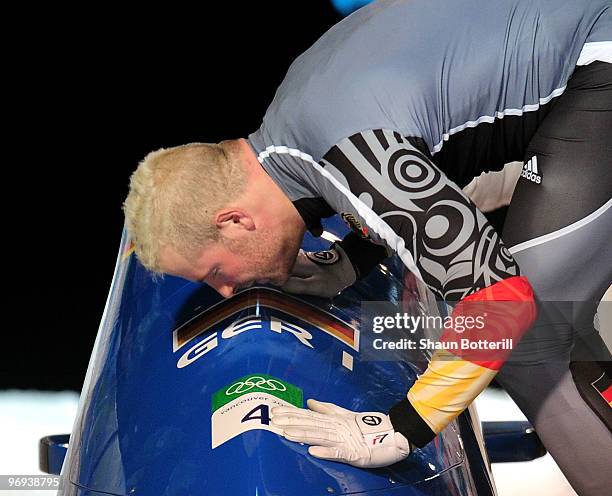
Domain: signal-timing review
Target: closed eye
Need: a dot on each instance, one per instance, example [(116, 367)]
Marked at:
[(210, 276)]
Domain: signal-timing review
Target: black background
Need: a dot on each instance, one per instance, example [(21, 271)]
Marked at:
[(92, 92)]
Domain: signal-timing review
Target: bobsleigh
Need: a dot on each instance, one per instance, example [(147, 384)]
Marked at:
[(179, 390)]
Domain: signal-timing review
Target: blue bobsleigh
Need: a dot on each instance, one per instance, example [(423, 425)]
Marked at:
[(181, 383)]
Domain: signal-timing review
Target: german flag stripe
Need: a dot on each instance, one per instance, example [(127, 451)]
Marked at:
[(446, 389), (453, 379), (263, 297), (510, 311)]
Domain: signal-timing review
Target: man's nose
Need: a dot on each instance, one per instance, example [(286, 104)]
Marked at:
[(225, 290)]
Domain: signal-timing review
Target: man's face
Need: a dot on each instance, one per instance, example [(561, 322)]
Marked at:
[(230, 265)]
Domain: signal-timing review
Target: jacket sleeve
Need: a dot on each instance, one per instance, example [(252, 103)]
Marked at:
[(395, 192)]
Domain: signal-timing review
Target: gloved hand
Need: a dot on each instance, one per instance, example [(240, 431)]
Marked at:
[(365, 440), (321, 273)]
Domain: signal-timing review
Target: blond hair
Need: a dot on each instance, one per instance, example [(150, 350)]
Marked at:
[(174, 195)]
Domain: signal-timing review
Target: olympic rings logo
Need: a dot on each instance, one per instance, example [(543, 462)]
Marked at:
[(255, 381)]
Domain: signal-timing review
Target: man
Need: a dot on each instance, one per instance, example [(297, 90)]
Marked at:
[(383, 120)]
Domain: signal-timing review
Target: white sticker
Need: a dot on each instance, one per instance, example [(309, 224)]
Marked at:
[(245, 413)]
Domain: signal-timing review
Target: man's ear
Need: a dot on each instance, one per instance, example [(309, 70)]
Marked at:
[(230, 220)]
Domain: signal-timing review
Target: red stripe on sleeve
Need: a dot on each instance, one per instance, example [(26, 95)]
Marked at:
[(487, 325)]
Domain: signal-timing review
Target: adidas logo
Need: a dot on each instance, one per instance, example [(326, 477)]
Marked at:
[(530, 171)]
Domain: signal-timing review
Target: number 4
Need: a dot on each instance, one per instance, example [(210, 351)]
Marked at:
[(264, 416)]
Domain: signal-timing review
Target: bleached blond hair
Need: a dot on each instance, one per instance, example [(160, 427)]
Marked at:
[(174, 195)]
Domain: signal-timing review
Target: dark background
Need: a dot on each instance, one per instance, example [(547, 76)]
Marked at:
[(92, 93)]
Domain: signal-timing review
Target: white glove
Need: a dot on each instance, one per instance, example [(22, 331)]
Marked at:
[(321, 273), (365, 440)]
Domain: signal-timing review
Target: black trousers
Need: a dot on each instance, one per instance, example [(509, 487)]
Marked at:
[(559, 230)]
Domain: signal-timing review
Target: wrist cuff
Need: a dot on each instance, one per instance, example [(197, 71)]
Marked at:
[(363, 254), (407, 421)]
